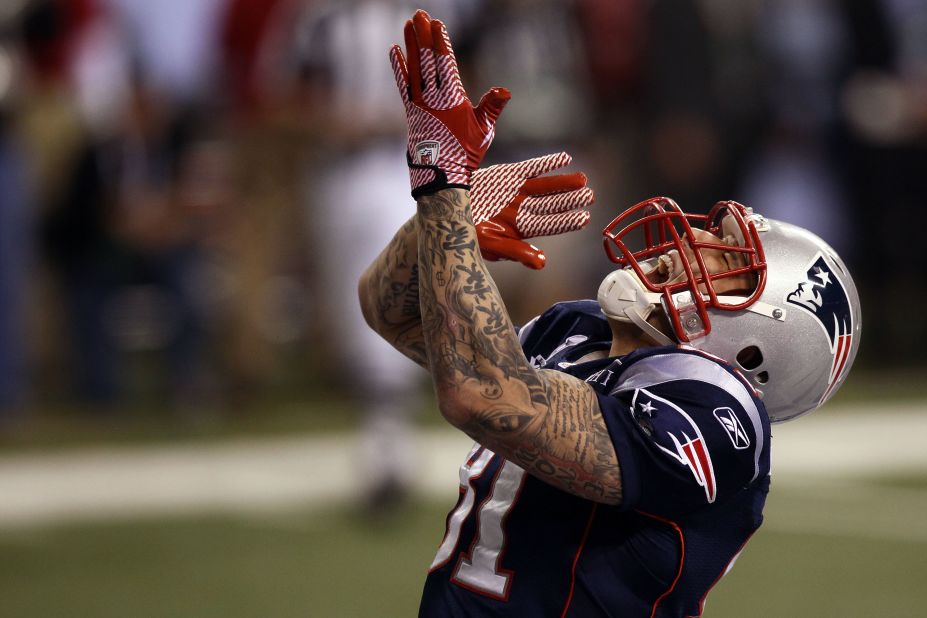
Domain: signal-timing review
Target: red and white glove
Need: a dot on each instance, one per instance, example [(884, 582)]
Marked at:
[(511, 202), (447, 135)]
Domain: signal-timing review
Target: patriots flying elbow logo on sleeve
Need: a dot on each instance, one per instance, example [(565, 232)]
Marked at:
[(678, 436), (822, 295)]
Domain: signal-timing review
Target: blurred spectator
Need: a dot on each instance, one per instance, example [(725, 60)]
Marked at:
[(134, 123), (792, 178), (881, 150), (120, 194), (16, 237), (176, 43), (129, 216), (534, 48), (613, 39), (50, 124), (357, 197), (671, 117), (168, 177), (81, 252), (16, 240), (684, 154), (267, 133)]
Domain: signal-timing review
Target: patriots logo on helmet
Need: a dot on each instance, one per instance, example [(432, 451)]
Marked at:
[(677, 435), (822, 295), (427, 152)]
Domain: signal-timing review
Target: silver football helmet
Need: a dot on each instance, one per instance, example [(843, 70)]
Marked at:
[(771, 299)]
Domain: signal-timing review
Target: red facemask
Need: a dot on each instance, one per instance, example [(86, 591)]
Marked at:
[(685, 260)]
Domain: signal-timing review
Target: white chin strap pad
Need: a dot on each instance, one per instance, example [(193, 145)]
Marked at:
[(624, 298)]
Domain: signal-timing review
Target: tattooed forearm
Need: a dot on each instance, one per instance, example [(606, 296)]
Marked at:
[(547, 422), (570, 443), (389, 294)]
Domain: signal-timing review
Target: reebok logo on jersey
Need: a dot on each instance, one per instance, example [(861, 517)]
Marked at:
[(733, 428), (426, 153)]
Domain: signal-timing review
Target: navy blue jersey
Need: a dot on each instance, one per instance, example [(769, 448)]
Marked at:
[(692, 441)]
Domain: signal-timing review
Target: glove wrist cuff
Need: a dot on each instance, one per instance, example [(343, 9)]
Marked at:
[(440, 180), (434, 187)]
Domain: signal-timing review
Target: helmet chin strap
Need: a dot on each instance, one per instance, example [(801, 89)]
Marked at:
[(624, 298)]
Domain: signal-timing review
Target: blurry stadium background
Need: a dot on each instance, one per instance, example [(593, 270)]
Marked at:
[(178, 421)]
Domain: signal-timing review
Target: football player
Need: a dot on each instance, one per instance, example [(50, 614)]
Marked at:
[(622, 444)]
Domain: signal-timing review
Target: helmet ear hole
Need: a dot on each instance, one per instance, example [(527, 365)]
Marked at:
[(762, 377), (750, 358)]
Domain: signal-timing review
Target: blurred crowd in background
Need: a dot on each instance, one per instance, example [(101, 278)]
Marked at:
[(202, 181)]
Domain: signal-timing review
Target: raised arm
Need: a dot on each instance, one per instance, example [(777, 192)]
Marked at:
[(546, 421), (511, 202), (388, 292)]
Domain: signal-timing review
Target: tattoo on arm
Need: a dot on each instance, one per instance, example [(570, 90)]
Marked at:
[(546, 421), (392, 296)]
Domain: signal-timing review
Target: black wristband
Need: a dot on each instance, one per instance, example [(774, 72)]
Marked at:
[(438, 184)]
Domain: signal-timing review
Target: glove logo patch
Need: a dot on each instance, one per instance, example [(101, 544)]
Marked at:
[(426, 153)]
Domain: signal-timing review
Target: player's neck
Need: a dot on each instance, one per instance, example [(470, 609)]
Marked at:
[(627, 337)]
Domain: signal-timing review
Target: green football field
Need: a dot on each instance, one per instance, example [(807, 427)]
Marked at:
[(845, 533), (856, 549)]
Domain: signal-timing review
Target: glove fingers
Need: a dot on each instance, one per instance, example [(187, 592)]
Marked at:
[(421, 21), (421, 24), (491, 106), (414, 57), (498, 186), (448, 74), (558, 202), (532, 226), (560, 183), (442, 42), (537, 166), (511, 249), (400, 72), (543, 165)]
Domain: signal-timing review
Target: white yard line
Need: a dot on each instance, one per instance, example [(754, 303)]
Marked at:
[(275, 474), (236, 476), (852, 441)]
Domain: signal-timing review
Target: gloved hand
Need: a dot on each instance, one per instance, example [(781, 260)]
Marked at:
[(512, 202), (447, 135)]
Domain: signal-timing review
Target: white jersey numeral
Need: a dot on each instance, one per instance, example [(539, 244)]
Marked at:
[(472, 469), (478, 569)]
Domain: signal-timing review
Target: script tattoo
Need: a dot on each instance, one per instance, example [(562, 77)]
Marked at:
[(546, 421), (393, 287)]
